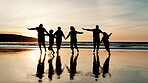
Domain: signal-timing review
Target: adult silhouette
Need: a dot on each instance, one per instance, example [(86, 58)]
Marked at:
[(73, 38), (51, 69), (96, 36), (41, 35), (59, 69), (40, 68), (58, 35), (96, 66), (106, 67), (73, 65), (105, 40), (51, 40)]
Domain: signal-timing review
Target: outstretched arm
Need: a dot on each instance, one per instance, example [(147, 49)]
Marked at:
[(31, 28), (88, 29), (79, 32)]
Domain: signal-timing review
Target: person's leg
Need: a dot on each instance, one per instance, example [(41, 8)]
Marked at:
[(75, 45), (106, 44), (71, 46), (39, 43), (43, 43), (58, 42), (94, 41), (98, 44), (51, 46)]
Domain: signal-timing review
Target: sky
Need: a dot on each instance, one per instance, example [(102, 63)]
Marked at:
[(126, 19)]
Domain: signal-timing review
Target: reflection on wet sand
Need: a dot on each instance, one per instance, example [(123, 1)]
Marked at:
[(96, 66), (59, 69), (105, 68), (73, 65), (51, 69), (97, 69), (40, 68)]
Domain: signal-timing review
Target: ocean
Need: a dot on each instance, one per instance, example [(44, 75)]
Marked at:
[(127, 64), (81, 45)]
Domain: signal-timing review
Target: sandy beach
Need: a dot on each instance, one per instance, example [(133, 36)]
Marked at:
[(125, 66)]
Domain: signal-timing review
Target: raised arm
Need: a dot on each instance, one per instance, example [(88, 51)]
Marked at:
[(110, 34), (87, 29)]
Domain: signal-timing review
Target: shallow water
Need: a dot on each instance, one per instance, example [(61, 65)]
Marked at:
[(125, 66)]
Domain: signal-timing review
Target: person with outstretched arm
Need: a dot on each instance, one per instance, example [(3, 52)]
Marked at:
[(96, 36), (73, 41), (41, 35)]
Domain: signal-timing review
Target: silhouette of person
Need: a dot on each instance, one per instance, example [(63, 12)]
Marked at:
[(59, 69), (105, 40), (106, 67), (51, 40), (40, 68), (73, 65), (58, 35), (73, 35), (51, 69), (96, 36), (96, 66), (41, 35)]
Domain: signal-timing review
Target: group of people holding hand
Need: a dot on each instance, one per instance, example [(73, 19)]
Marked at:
[(73, 38)]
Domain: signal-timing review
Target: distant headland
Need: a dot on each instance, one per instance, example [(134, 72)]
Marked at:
[(16, 38)]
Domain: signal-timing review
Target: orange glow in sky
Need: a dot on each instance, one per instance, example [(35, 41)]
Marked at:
[(126, 19)]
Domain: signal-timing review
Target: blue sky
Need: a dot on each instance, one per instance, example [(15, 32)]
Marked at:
[(126, 19)]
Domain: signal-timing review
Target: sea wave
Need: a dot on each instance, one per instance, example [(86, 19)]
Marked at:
[(81, 45)]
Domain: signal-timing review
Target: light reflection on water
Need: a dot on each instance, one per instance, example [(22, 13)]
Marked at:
[(125, 66)]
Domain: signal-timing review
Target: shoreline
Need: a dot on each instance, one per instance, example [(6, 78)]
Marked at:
[(125, 66)]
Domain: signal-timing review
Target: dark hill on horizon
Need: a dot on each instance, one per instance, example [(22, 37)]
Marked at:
[(16, 38)]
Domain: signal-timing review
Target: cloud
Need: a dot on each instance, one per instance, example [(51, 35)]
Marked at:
[(112, 15)]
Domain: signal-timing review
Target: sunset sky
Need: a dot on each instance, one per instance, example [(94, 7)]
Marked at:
[(126, 19)]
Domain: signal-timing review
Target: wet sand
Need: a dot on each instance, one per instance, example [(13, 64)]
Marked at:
[(125, 66)]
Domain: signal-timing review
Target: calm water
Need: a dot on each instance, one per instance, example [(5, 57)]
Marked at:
[(81, 45)]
